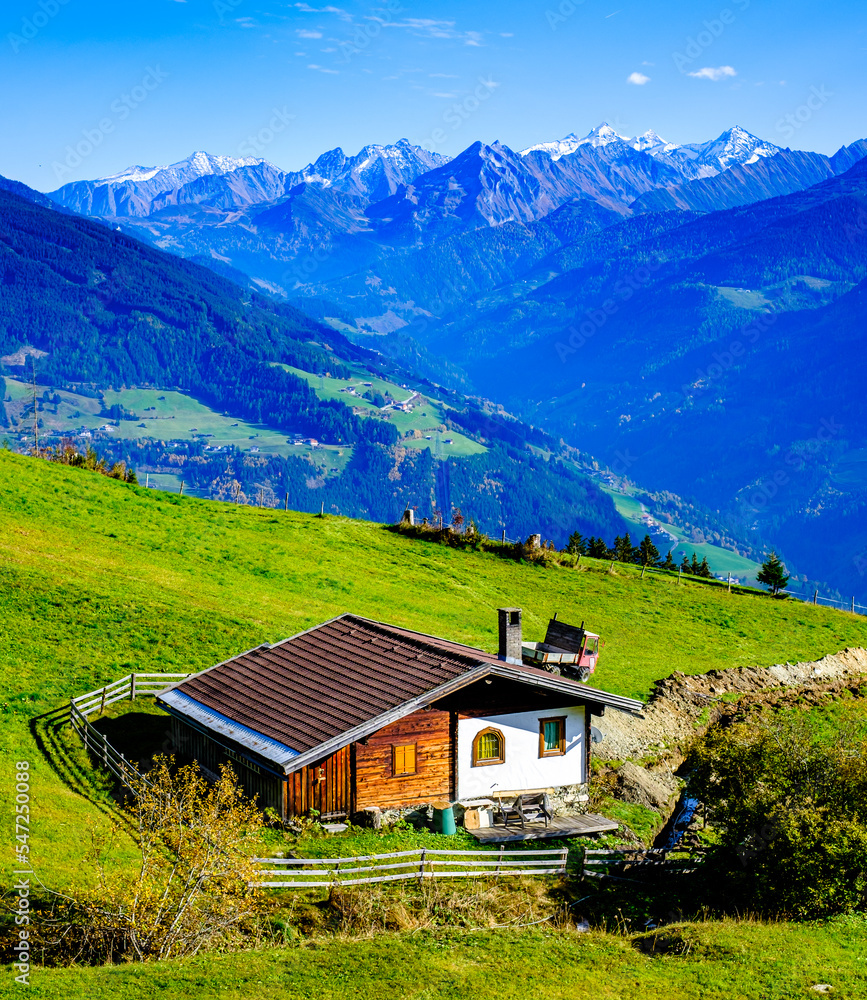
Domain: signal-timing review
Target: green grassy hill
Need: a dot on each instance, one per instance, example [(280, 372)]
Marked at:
[(98, 578)]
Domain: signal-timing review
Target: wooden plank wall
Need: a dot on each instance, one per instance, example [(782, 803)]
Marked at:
[(375, 785), (325, 787), (191, 745)]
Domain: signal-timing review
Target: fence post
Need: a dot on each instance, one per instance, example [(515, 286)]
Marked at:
[(730, 582), (815, 597), (102, 703), (132, 687), (286, 503), (679, 573), (421, 866), (499, 858), (104, 750), (643, 570)]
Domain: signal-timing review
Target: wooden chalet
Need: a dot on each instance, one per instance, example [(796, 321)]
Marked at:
[(356, 713)]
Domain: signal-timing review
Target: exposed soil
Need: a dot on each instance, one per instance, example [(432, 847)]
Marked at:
[(682, 706)]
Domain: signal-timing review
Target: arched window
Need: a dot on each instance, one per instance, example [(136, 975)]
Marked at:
[(489, 747)]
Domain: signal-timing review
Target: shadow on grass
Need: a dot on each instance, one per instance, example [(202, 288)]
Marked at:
[(77, 769)]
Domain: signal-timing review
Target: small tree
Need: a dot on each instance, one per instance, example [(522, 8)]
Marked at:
[(705, 570), (648, 553), (190, 891), (577, 545), (669, 562), (695, 566), (773, 574), (596, 548), (684, 565), (624, 551)]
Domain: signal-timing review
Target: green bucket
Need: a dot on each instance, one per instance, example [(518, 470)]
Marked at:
[(444, 818)]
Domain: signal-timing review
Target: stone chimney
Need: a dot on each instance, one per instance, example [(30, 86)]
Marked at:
[(510, 635)]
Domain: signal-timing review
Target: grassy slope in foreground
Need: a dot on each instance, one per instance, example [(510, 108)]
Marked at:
[(724, 960)]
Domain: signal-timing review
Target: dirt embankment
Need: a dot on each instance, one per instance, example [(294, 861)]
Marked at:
[(682, 706)]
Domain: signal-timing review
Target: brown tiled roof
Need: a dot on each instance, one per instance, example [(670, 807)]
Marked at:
[(339, 677), (318, 684)]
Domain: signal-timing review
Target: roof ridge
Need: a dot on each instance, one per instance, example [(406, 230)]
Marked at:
[(402, 630)]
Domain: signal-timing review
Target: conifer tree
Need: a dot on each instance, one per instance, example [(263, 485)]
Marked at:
[(624, 550), (684, 565), (694, 566), (577, 544), (648, 553), (669, 562), (597, 548), (773, 574)]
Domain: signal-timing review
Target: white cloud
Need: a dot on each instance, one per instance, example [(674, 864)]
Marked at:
[(339, 11), (323, 69), (304, 33), (427, 27), (713, 73), (639, 79)]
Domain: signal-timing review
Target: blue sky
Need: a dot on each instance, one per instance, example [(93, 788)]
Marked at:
[(150, 82)]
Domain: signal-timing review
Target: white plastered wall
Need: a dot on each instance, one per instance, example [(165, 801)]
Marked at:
[(523, 768)]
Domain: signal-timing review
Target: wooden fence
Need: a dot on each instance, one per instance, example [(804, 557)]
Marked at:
[(422, 863), (642, 864), (127, 688)]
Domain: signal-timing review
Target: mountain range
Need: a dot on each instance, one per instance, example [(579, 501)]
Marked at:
[(594, 285)]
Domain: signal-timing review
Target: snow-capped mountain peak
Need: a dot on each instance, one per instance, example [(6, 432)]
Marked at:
[(602, 135), (651, 142), (733, 147), (198, 164)]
